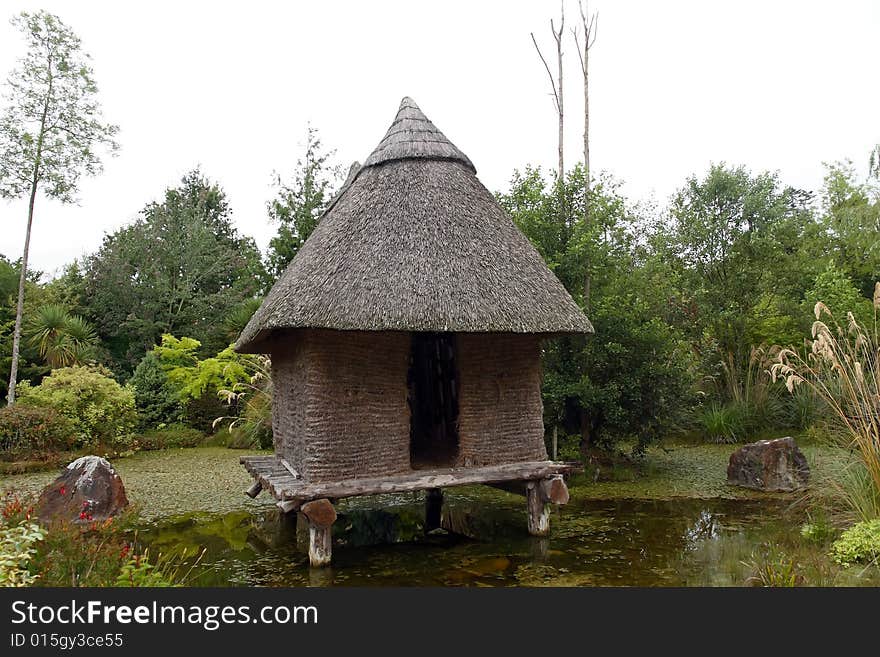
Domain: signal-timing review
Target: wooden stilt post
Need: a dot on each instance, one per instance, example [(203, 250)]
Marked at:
[(539, 513), (320, 546), (321, 516), (555, 440), (539, 547), (433, 508)]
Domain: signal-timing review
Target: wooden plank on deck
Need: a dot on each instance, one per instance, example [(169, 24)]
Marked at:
[(283, 486)]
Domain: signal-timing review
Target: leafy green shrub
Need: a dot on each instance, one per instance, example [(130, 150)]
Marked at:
[(839, 294), (26, 432), (104, 553), (101, 410), (632, 384), (156, 400), (84, 555), (174, 435), (858, 544), (202, 413), (17, 551), (92, 554), (195, 378)]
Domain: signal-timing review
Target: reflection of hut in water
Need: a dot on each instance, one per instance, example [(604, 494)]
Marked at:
[(405, 339)]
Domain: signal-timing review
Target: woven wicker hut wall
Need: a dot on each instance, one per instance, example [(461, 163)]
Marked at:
[(341, 406), (414, 269), (501, 415)]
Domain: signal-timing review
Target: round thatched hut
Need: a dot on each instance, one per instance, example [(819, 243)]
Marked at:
[(405, 339)]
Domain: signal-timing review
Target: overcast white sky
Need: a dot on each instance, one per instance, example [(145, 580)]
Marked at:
[(675, 85)]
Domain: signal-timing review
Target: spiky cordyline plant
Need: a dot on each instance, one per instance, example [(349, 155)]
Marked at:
[(62, 339), (842, 366)]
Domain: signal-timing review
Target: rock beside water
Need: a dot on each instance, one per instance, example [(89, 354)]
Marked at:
[(88, 489), (771, 465)]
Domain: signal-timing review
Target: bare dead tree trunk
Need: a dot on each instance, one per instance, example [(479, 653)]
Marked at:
[(590, 26), (558, 102), (556, 87), (558, 38)]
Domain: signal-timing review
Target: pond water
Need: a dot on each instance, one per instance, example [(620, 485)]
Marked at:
[(380, 542), (675, 523)]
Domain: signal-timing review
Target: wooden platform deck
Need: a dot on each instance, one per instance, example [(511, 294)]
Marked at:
[(276, 477)]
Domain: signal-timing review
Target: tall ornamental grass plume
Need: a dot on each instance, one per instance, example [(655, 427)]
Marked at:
[(842, 366), (252, 427)]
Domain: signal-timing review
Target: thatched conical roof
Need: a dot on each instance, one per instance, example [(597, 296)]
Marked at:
[(414, 242)]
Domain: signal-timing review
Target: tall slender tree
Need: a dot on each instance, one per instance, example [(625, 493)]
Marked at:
[(590, 27), (557, 89), (556, 86), (50, 130)]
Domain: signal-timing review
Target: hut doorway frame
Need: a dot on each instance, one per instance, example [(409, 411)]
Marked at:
[(432, 395)]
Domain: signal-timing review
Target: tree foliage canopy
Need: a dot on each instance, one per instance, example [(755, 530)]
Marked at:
[(180, 268), (629, 379), (299, 204), (52, 122)]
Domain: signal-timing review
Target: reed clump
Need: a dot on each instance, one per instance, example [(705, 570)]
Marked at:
[(842, 366)]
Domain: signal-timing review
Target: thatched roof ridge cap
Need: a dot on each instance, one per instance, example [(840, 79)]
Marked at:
[(413, 135)]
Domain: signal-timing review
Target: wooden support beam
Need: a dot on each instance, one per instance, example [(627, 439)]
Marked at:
[(321, 516), (539, 512), (282, 485), (433, 508), (552, 489), (290, 469), (288, 506), (512, 487), (254, 490)]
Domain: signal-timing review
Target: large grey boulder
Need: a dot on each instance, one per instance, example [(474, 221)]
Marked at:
[(772, 465), (89, 489)]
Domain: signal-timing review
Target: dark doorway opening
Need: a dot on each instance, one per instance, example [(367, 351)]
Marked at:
[(433, 400)]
